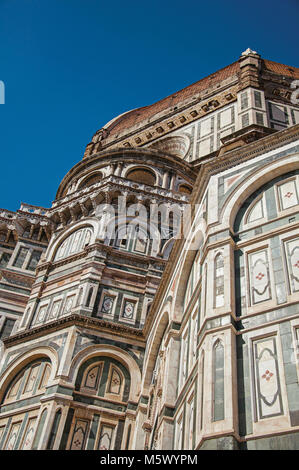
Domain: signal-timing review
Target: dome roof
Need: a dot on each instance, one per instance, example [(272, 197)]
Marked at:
[(130, 119)]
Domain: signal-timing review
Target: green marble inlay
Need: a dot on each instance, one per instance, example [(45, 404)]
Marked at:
[(98, 402), (18, 404), (20, 435), (5, 433), (39, 429), (93, 432)]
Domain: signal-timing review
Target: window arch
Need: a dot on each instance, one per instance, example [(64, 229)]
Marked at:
[(30, 381), (105, 377), (142, 175), (74, 243), (277, 197), (91, 179)]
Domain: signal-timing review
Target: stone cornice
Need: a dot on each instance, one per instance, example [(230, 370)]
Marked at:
[(18, 276), (116, 329), (50, 266)]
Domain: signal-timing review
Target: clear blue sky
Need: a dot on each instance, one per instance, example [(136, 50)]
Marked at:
[(69, 66)]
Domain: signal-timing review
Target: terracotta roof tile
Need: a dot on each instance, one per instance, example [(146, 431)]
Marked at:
[(136, 116), (133, 117), (281, 69)]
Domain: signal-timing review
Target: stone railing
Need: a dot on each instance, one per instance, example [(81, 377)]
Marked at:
[(124, 183)]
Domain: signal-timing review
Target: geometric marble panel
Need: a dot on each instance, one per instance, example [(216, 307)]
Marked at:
[(32, 378), (29, 434), (232, 179), (206, 127), (106, 437), (79, 434), (292, 255), (93, 377), (269, 400), (75, 241), (218, 381), (128, 309), (107, 305), (115, 382), (68, 304), (140, 243), (15, 387), (42, 313), (225, 118), (13, 434), (259, 276), (256, 212), (45, 376), (55, 309), (288, 194), (206, 146)]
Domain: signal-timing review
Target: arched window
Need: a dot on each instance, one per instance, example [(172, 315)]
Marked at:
[(103, 377), (142, 176), (90, 180), (277, 197), (74, 243), (30, 381)]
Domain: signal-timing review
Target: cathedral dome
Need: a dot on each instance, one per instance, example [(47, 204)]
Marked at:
[(132, 122)]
